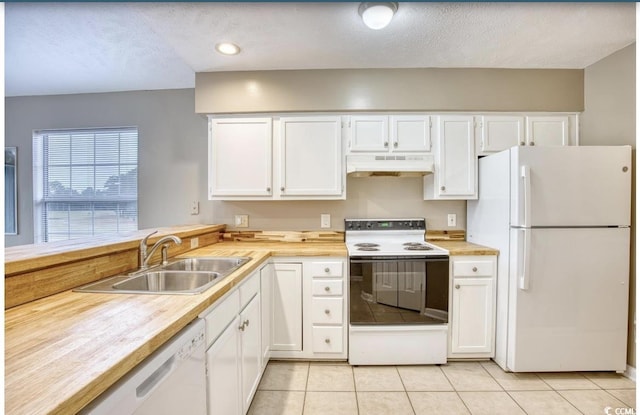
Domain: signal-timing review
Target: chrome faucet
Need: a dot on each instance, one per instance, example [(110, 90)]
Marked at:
[(146, 256)]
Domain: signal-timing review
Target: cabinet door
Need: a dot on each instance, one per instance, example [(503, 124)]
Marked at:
[(472, 313), (223, 375), (286, 311), (548, 130), (240, 157), (456, 170), (251, 350), (266, 282), (410, 133), (500, 132), (369, 133), (311, 156)]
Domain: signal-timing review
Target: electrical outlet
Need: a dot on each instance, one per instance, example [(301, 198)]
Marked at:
[(195, 242), (242, 221), (325, 220), (451, 219), (195, 207)]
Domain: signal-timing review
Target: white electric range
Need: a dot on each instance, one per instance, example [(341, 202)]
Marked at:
[(399, 293)]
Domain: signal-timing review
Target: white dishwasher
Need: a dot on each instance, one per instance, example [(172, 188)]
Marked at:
[(170, 381)]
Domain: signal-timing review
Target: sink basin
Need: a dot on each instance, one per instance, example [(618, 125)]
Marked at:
[(185, 276), (170, 281), (212, 264)]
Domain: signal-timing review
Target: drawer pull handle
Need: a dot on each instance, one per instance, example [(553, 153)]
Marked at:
[(246, 323), (327, 340), (241, 327), (327, 288), (327, 270), (474, 269), (327, 312), (457, 286), (442, 188)]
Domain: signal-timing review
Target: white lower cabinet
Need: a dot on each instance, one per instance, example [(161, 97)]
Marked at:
[(286, 308), (250, 350), (266, 283), (234, 355), (309, 309), (472, 307), (223, 377)]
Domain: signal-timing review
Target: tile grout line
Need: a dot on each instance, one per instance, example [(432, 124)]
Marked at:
[(405, 391)]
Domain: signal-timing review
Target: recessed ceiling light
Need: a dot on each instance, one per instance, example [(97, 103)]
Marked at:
[(227, 48)]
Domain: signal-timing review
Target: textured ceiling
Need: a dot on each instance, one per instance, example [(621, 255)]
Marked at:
[(61, 48)]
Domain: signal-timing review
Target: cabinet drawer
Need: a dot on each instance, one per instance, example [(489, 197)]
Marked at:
[(327, 339), (326, 310), (249, 288), (326, 269), (220, 317), (322, 287), (472, 268)]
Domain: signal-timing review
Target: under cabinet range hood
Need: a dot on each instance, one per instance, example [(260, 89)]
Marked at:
[(365, 165)]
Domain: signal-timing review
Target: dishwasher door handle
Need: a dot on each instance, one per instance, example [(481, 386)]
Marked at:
[(156, 377)]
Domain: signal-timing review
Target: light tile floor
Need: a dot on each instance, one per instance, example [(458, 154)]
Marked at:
[(476, 388)]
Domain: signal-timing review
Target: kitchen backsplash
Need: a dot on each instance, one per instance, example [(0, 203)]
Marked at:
[(373, 197)]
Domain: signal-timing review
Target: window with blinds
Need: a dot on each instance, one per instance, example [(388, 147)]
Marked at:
[(85, 183)]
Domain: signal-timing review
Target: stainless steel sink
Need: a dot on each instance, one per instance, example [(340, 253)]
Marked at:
[(211, 264), (185, 276), (170, 281)]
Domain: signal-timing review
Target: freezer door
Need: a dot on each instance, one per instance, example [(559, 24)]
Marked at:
[(570, 186), (568, 298)]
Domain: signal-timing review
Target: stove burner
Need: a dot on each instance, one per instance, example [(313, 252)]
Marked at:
[(366, 245), (418, 248), (368, 248), (412, 244)]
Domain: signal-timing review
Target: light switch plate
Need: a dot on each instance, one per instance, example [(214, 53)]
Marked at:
[(451, 219), (242, 221), (325, 220), (195, 242)]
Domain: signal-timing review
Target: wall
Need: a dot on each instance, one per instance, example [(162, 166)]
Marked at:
[(609, 118), (172, 149), (367, 197), (419, 89)]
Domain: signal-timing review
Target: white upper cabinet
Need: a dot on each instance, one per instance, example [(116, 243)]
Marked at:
[(369, 133), (499, 132), (311, 156), (410, 133), (548, 130), (276, 158), (395, 133), (456, 163), (240, 157)]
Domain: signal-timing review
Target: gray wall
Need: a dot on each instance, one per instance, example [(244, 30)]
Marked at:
[(609, 115), (609, 118), (172, 161), (419, 89)]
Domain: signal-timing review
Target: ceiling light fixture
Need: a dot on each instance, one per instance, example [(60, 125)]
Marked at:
[(377, 15), (227, 48)]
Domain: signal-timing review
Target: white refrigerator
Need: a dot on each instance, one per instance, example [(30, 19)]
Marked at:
[(560, 217)]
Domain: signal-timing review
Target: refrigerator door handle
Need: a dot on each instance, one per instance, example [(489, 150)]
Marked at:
[(525, 174), (524, 275)]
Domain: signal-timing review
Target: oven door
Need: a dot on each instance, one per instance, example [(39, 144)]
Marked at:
[(398, 290)]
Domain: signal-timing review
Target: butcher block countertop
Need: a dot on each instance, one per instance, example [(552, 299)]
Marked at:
[(64, 350)]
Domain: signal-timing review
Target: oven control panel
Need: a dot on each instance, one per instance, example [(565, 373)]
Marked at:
[(384, 224)]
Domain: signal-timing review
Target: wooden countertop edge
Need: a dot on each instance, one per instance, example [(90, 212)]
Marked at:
[(27, 258)]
